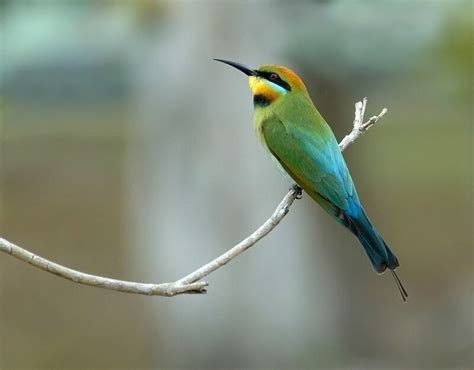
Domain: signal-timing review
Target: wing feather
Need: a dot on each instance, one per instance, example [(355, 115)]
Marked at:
[(313, 161)]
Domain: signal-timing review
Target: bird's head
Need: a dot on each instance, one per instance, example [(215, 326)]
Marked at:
[(269, 82)]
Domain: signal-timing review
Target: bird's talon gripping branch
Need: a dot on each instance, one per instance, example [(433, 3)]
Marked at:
[(297, 190)]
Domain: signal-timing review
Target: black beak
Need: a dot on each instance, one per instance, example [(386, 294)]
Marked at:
[(240, 67)]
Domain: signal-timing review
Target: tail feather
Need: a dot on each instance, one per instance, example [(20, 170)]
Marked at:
[(400, 286), (377, 250)]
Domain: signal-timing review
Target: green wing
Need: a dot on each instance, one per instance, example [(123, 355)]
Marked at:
[(313, 159)]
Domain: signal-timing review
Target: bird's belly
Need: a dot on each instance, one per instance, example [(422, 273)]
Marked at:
[(281, 169), (257, 126), (261, 138)]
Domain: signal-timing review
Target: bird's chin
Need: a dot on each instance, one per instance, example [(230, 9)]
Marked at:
[(254, 83), (261, 87)]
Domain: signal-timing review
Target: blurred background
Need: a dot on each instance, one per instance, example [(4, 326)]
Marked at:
[(127, 152)]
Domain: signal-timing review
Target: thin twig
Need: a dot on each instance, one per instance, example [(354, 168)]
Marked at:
[(359, 127), (190, 283)]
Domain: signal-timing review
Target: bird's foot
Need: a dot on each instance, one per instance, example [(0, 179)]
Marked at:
[(298, 191)]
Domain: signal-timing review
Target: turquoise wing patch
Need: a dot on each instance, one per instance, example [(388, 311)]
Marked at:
[(312, 159)]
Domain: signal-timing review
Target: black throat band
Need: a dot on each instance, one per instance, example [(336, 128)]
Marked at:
[(260, 101)]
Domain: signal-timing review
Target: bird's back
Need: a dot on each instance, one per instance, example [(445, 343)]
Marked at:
[(295, 133), (304, 145)]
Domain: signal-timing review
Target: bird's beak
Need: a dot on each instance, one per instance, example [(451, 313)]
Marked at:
[(240, 67)]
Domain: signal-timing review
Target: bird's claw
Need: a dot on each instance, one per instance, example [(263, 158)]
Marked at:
[(298, 191)]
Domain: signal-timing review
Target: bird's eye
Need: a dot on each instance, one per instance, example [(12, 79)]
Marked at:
[(273, 77)]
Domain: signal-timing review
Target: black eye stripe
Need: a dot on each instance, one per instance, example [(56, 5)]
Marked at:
[(270, 77)]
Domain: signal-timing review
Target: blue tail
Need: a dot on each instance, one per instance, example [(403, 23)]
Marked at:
[(378, 251)]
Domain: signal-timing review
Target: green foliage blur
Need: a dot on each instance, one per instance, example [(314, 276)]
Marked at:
[(125, 151)]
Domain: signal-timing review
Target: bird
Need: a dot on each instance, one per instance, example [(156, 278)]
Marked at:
[(302, 144)]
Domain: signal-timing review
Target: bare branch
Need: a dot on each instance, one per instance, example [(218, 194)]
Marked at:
[(190, 283), (359, 126), (245, 244), (164, 289)]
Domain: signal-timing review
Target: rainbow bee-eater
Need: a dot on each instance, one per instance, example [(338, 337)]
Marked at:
[(290, 127)]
